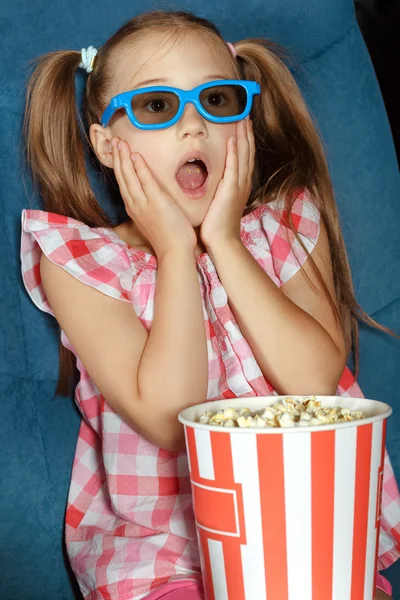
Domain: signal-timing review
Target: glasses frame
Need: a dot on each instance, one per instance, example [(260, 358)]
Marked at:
[(192, 96)]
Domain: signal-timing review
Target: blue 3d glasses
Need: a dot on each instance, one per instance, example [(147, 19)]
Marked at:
[(158, 107)]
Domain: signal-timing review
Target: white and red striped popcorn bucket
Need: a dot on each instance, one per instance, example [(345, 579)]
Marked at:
[(291, 513)]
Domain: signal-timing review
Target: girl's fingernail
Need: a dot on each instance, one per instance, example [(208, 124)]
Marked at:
[(119, 146), (234, 141), (133, 157)]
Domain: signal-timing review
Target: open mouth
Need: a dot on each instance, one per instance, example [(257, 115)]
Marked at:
[(192, 177)]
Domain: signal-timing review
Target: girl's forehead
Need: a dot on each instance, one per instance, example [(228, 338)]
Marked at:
[(184, 61)]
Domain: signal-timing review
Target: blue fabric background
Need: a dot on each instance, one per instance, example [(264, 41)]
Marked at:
[(38, 430)]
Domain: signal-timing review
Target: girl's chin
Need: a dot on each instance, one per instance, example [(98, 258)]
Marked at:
[(194, 210)]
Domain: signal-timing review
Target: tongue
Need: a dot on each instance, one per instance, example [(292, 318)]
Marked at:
[(192, 175)]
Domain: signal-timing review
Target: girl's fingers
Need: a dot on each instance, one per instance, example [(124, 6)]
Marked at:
[(243, 151), (131, 180), (118, 172), (149, 185), (231, 165), (252, 148)]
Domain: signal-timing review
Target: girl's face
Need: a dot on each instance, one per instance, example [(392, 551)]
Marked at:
[(184, 64)]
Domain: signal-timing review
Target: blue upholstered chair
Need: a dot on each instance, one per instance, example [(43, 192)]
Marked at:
[(39, 430)]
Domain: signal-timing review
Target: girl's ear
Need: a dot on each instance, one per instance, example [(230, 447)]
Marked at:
[(100, 138)]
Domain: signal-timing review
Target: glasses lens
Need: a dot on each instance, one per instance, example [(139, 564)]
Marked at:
[(224, 100), (152, 108)]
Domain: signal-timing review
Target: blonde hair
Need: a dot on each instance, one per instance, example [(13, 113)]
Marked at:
[(290, 156)]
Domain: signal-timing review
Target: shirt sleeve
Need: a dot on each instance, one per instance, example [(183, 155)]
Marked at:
[(92, 258), (272, 235)]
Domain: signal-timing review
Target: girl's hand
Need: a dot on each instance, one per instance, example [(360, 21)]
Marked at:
[(153, 211), (222, 221)]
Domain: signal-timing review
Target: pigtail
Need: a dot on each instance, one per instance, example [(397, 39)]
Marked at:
[(54, 142), (291, 157), (56, 156), (289, 150)]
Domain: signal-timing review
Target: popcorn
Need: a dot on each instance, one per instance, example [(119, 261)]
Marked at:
[(285, 413), (260, 422), (268, 413), (286, 420), (246, 421), (205, 417), (230, 413), (305, 417)]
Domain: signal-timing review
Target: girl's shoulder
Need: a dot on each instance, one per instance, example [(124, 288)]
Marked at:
[(96, 256), (267, 233)]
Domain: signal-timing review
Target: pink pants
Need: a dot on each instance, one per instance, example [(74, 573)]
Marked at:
[(178, 590), (383, 584), (190, 590)]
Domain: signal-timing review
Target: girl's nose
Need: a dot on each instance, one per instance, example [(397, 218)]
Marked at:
[(192, 123)]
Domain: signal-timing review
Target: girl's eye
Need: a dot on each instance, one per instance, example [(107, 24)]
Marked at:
[(157, 105), (215, 99)]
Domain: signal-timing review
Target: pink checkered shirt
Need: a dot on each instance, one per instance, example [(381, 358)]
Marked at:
[(129, 521)]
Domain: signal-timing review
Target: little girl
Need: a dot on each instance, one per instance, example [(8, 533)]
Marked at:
[(228, 278)]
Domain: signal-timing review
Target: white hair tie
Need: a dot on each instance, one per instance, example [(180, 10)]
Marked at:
[(88, 55)]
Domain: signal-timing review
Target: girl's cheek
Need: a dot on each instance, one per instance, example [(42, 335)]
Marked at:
[(229, 129)]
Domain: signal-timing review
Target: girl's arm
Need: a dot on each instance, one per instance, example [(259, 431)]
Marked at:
[(145, 377), (291, 330)]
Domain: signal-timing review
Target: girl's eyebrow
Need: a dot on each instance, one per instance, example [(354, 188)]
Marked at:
[(165, 80)]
